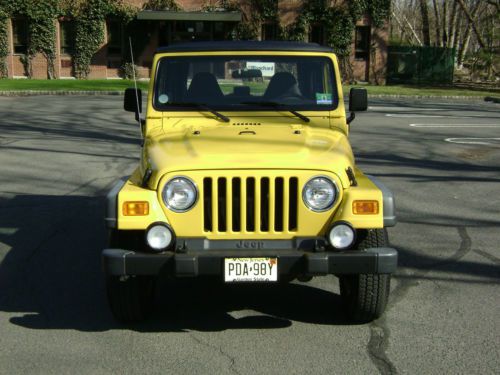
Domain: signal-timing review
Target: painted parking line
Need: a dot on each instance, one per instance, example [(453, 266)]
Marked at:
[(403, 109), (413, 116), (433, 116), (455, 125), (474, 141)]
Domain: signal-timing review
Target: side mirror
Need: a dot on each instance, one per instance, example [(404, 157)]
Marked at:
[(130, 101), (358, 100)]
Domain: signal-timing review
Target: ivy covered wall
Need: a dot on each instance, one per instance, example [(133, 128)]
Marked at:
[(4, 43), (337, 18), (42, 15)]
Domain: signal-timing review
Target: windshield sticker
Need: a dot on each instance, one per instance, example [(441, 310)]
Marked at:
[(323, 98), (267, 68), (163, 98)]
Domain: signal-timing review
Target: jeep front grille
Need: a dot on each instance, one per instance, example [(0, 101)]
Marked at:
[(250, 204)]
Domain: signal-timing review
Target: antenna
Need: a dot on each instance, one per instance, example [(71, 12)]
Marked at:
[(139, 117)]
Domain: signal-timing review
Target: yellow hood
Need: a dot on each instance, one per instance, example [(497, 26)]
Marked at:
[(267, 146)]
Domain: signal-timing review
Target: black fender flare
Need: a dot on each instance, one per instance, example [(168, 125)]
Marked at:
[(388, 202), (111, 215)]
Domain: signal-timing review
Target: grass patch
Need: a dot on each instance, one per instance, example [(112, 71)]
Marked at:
[(255, 87), (68, 84), (422, 91)]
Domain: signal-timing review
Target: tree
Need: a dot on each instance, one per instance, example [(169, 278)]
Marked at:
[(424, 10), (469, 26)]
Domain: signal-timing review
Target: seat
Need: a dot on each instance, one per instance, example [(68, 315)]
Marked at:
[(204, 88), (282, 84), (241, 91)]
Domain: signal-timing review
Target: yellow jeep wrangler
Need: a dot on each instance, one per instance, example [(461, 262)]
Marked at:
[(247, 175)]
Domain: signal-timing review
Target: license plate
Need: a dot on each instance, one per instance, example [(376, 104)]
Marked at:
[(250, 269)]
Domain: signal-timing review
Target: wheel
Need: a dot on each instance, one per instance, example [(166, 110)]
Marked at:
[(365, 296), (130, 298)]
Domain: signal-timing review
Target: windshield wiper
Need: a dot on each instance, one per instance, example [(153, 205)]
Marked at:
[(200, 106), (279, 106)]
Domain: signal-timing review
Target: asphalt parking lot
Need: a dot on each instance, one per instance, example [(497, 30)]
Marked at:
[(60, 155)]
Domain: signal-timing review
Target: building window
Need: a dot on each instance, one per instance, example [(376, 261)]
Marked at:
[(67, 37), (269, 31), (362, 47), (115, 36), (317, 34), (192, 30), (20, 35)]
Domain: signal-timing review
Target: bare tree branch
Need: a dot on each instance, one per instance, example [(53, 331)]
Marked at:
[(409, 26), (466, 37), (436, 20), (452, 30), (424, 11), (445, 20), (473, 23), (495, 3)]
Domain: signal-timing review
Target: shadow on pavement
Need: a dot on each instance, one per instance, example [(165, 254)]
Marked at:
[(444, 106), (417, 261), (467, 171), (51, 275)]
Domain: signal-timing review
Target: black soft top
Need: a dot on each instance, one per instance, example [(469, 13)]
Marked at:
[(244, 46)]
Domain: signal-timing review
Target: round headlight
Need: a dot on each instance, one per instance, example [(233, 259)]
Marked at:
[(159, 237), (179, 194), (319, 193), (341, 236)]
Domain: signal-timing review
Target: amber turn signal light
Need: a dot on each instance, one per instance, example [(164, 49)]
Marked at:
[(135, 208), (365, 207)]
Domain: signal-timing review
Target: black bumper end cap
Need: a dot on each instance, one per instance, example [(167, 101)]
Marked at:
[(387, 259), (317, 264), (186, 265)]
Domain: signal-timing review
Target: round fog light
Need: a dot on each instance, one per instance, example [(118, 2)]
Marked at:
[(341, 236), (159, 237)]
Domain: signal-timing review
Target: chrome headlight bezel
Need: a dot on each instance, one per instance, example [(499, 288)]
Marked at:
[(334, 186), (190, 183)]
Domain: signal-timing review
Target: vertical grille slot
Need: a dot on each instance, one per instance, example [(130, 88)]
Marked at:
[(278, 204), (264, 204), (222, 203), (236, 203), (207, 204), (292, 204), (250, 206)]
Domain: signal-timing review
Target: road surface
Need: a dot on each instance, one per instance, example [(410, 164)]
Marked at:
[(60, 155)]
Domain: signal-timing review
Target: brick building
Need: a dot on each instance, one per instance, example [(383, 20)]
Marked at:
[(191, 23)]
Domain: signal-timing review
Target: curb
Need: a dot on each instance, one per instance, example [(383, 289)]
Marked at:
[(121, 92), (58, 92), (493, 99), (481, 98)]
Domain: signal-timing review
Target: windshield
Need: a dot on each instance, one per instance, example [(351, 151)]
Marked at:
[(245, 82)]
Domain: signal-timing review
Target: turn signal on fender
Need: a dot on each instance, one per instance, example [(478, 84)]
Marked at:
[(365, 207), (135, 208)]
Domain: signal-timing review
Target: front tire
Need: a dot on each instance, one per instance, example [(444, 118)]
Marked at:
[(130, 298), (365, 296)]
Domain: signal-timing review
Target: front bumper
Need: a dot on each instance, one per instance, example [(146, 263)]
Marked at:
[(380, 260)]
